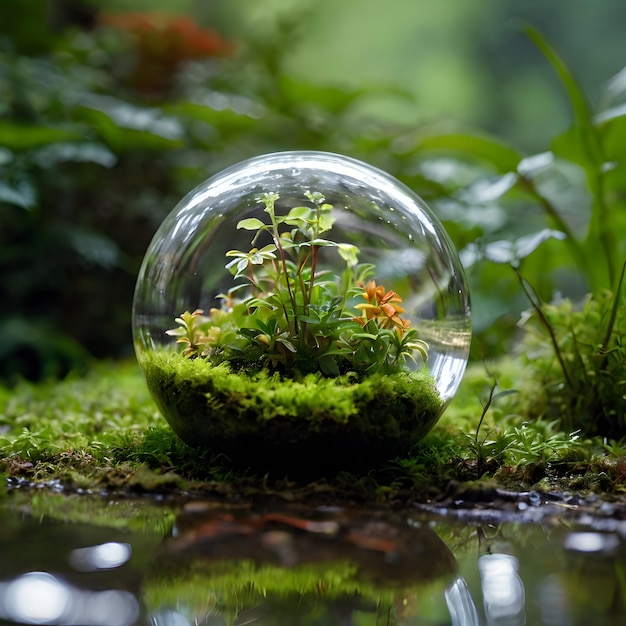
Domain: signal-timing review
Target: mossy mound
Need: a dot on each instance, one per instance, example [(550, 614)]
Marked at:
[(310, 425)]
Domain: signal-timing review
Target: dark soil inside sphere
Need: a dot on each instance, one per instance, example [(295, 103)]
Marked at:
[(285, 449)]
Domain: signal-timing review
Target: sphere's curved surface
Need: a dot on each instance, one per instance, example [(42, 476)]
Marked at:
[(391, 227)]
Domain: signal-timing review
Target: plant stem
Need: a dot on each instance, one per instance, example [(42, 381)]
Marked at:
[(314, 255), (536, 304), (486, 408), (606, 233), (576, 249), (609, 329), (283, 259)]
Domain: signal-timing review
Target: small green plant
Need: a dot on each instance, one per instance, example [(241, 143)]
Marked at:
[(288, 314), (573, 356), (487, 451), (580, 376)]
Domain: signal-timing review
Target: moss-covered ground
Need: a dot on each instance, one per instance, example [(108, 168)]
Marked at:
[(102, 432)]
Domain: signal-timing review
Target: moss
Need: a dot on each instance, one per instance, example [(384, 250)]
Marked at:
[(315, 423), (103, 431)]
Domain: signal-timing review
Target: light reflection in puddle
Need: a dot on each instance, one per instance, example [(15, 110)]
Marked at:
[(461, 605), (104, 556), (41, 598), (503, 591), (590, 542), (36, 598)]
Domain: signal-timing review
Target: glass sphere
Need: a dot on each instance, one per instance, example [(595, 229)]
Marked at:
[(308, 269)]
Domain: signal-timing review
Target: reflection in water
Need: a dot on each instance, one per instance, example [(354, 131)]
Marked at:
[(303, 566), (41, 598), (104, 556), (461, 604), (503, 590), (590, 542), (283, 567), (36, 597), (553, 602)]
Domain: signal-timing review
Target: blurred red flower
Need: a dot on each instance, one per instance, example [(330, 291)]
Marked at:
[(162, 44)]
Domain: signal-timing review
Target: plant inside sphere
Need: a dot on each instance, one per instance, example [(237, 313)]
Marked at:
[(282, 322)]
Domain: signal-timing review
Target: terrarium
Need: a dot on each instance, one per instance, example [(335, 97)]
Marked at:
[(302, 310)]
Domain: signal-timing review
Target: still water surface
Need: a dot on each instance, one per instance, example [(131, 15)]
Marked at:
[(119, 562)]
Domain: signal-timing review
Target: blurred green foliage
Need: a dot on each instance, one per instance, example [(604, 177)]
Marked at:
[(99, 138), (107, 120)]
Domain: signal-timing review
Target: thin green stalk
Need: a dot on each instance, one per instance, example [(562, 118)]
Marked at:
[(536, 304), (283, 259), (314, 255), (486, 408), (576, 249), (614, 310), (606, 232)]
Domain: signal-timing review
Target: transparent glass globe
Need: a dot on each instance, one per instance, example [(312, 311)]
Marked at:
[(375, 221)]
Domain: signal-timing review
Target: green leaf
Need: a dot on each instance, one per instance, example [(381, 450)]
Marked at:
[(577, 97), (365, 336), (122, 138), (131, 117), (227, 120), (328, 365), (287, 344), (488, 190), (94, 247), (268, 250), (298, 214), (330, 99), (503, 394), (22, 195), (258, 303), (583, 138), (502, 156), (319, 242), (18, 137), (325, 222), (6, 156), (251, 223), (613, 135), (250, 332), (349, 253), (573, 146), (79, 152), (512, 252)]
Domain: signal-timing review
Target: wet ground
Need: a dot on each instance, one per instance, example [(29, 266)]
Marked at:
[(476, 556)]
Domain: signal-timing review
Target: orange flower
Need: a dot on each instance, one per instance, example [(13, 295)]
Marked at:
[(382, 306)]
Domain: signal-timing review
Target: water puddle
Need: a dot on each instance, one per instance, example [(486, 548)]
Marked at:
[(69, 559)]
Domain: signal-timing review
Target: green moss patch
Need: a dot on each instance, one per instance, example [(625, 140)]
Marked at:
[(316, 423), (102, 432)]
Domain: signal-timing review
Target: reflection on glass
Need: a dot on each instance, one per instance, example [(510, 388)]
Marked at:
[(41, 598), (104, 556), (503, 590), (461, 605)]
